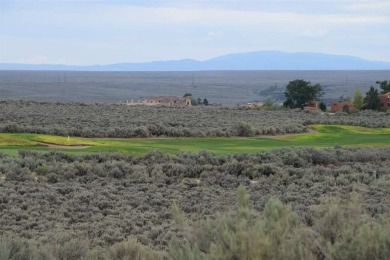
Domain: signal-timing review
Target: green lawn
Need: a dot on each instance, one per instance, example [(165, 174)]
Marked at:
[(325, 136)]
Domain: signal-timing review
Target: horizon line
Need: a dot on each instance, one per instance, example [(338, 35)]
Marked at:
[(191, 59)]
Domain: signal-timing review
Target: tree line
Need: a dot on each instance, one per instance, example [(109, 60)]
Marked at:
[(299, 92), (197, 101)]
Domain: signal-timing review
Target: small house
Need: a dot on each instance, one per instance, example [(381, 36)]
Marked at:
[(169, 101), (311, 106), (345, 106), (162, 101)]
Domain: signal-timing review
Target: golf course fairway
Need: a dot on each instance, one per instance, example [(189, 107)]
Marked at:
[(322, 136)]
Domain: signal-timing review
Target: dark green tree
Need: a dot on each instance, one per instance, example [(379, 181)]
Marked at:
[(299, 92), (187, 95), (372, 99), (384, 85), (194, 101), (205, 102), (322, 106)]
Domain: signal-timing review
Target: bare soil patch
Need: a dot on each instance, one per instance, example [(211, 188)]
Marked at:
[(56, 146)]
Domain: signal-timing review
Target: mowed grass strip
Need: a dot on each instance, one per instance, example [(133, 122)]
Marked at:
[(41, 139), (324, 136), (15, 140), (328, 135)]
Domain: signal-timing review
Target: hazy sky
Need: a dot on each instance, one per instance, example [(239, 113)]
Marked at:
[(85, 32)]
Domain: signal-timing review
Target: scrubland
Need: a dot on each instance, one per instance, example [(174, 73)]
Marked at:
[(121, 121), (297, 203), (288, 203)]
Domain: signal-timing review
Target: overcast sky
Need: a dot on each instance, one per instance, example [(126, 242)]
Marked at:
[(83, 32)]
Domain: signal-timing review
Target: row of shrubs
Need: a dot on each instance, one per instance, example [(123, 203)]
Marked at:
[(104, 120), (57, 166)]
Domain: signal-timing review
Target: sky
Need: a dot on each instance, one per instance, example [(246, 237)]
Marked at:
[(88, 32)]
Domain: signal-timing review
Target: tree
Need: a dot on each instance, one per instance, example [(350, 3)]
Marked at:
[(322, 106), (299, 92), (372, 99), (205, 102), (384, 85), (194, 101), (358, 100), (187, 95)]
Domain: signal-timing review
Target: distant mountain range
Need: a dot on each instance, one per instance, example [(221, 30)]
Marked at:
[(261, 60)]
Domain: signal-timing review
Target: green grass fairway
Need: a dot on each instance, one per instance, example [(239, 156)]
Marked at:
[(325, 136)]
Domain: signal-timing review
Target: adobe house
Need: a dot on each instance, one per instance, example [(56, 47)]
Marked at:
[(311, 106), (345, 106), (169, 101), (162, 101), (384, 100)]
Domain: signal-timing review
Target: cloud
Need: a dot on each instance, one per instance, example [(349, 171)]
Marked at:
[(181, 16), (116, 31), (369, 6)]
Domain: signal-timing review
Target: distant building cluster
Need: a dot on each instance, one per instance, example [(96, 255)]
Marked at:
[(162, 101), (347, 106), (344, 106)]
